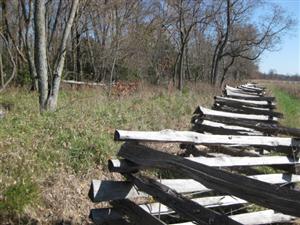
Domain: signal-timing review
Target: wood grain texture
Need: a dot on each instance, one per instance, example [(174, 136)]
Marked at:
[(207, 126), (236, 108), (251, 103), (265, 127), (113, 190), (111, 216), (135, 213), (281, 199), (250, 97), (250, 92), (257, 218), (202, 111), (205, 139), (181, 205), (218, 161)]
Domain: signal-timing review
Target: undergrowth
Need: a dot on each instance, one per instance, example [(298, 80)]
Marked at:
[(79, 135)]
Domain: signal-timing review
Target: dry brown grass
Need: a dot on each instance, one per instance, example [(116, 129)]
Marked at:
[(54, 157), (290, 87)]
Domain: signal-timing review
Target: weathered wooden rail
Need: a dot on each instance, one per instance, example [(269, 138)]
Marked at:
[(265, 128), (246, 110), (203, 112), (210, 189), (261, 103)]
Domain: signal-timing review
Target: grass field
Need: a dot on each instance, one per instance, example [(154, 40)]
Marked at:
[(288, 98), (47, 161)]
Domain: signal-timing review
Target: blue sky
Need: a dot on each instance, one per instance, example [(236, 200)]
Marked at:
[(287, 59)]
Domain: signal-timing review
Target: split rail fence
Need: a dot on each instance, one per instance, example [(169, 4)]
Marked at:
[(246, 174)]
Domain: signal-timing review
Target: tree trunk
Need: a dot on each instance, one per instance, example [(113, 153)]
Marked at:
[(30, 57), (213, 65), (188, 71), (73, 47), (180, 75), (175, 71), (181, 53), (78, 56), (112, 72), (55, 24), (40, 55), (59, 65), (27, 12), (6, 82), (32, 70), (96, 76), (76, 51), (225, 71), (117, 35), (1, 72), (220, 47), (214, 71), (3, 19)]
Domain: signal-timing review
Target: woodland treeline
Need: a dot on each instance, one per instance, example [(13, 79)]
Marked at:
[(44, 41), (276, 76)]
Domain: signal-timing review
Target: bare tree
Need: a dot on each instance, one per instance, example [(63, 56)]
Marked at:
[(27, 10), (1, 72), (40, 54), (223, 32), (187, 15), (159, 40), (5, 82), (48, 97), (248, 41)]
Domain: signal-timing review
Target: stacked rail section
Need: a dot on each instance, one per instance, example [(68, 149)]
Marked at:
[(239, 166)]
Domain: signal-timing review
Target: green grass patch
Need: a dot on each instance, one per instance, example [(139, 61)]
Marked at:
[(17, 196), (289, 106)]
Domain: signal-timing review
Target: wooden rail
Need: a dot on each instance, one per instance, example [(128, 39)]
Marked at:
[(264, 127), (102, 191), (73, 82), (213, 127), (283, 199), (206, 139), (202, 111), (122, 165), (100, 216), (246, 110), (182, 205), (251, 103)]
